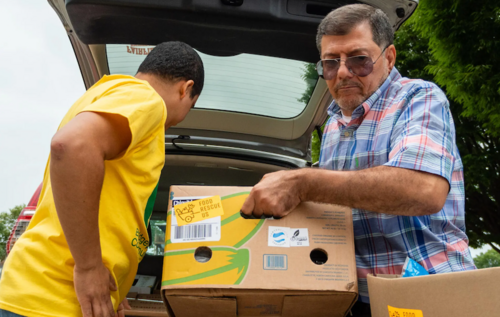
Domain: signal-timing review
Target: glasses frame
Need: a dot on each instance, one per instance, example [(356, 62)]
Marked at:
[(339, 60)]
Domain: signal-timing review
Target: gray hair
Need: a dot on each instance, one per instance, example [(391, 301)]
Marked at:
[(342, 20)]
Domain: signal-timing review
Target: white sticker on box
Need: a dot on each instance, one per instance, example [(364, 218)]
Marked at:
[(278, 237), (205, 230), (299, 237)]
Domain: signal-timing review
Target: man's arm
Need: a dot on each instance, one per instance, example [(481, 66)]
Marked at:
[(415, 181), (383, 189), (78, 152)]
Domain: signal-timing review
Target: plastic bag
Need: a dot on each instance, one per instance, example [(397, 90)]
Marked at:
[(412, 268)]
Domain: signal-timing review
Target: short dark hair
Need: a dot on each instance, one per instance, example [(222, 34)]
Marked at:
[(342, 20), (175, 61)]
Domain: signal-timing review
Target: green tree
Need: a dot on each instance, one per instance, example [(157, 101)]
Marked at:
[(489, 259), (316, 145), (464, 40), (426, 51), (310, 76), (7, 222)]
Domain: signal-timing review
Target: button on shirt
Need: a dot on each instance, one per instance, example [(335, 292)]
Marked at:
[(406, 123)]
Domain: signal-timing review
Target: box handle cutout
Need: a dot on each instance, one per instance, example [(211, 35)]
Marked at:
[(203, 254), (319, 256)]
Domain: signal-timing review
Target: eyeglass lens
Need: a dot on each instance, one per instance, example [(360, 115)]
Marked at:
[(358, 65)]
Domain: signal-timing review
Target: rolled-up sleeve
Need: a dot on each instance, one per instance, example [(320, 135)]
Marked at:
[(423, 137)]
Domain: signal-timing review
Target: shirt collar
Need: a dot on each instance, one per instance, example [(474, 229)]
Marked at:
[(363, 109)]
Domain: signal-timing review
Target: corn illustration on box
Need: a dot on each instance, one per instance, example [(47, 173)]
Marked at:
[(217, 263)]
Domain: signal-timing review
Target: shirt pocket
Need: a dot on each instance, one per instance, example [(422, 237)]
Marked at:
[(367, 159)]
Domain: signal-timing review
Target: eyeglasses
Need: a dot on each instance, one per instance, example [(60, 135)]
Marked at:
[(360, 66)]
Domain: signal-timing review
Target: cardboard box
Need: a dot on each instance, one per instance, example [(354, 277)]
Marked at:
[(459, 294), (257, 267)]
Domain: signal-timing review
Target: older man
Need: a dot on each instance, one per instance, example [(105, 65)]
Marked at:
[(388, 152)]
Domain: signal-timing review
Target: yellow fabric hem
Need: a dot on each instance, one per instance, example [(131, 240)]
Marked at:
[(25, 312)]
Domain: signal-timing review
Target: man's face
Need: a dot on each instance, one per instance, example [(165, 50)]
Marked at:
[(184, 105), (347, 89), (188, 104)]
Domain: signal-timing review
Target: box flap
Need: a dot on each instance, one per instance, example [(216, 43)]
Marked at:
[(264, 303), (195, 306), (314, 305), (260, 302)]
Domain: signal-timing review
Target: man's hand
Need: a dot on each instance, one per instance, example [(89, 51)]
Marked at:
[(275, 195), (93, 287), (121, 308)]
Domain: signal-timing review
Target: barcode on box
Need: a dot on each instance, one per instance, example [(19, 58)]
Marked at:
[(193, 231), (275, 262)]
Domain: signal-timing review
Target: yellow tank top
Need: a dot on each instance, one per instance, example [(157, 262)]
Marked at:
[(37, 278)]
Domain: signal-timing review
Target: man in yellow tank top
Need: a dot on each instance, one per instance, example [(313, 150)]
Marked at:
[(82, 248)]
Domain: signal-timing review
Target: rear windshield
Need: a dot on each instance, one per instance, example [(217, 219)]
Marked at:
[(246, 83)]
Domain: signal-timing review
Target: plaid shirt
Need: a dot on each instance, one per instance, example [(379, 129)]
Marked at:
[(405, 123)]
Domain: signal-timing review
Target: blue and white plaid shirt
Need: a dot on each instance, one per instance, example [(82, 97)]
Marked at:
[(405, 123)]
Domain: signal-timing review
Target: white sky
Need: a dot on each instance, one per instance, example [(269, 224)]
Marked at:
[(39, 81)]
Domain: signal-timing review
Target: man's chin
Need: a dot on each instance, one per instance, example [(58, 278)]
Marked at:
[(348, 103)]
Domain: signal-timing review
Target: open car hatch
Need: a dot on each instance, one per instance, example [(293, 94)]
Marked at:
[(261, 90)]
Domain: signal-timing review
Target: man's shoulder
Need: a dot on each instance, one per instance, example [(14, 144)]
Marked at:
[(411, 86), (126, 88), (413, 92), (117, 82)]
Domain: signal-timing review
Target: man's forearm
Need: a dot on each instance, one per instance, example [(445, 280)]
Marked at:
[(77, 174), (381, 189)]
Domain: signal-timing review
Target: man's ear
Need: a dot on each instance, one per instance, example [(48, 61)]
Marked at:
[(185, 89), (391, 56)]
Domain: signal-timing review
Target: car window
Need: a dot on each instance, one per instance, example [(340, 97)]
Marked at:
[(246, 83)]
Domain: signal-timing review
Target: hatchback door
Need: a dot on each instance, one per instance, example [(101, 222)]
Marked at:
[(261, 95)]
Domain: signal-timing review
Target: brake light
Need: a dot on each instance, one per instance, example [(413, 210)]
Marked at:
[(22, 223), (24, 219)]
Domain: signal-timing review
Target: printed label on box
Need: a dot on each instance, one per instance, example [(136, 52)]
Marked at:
[(204, 230), (400, 312), (288, 237), (278, 237), (275, 262), (299, 237), (198, 210)]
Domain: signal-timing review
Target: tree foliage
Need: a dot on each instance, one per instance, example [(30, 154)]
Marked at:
[(310, 76), (426, 51), (455, 43), (7, 222), (489, 259), (464, 40), (315, 146)]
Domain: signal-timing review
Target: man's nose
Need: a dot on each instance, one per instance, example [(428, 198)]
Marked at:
[(343, 71)]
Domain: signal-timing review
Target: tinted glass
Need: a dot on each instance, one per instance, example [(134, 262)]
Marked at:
[(254, 84)]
